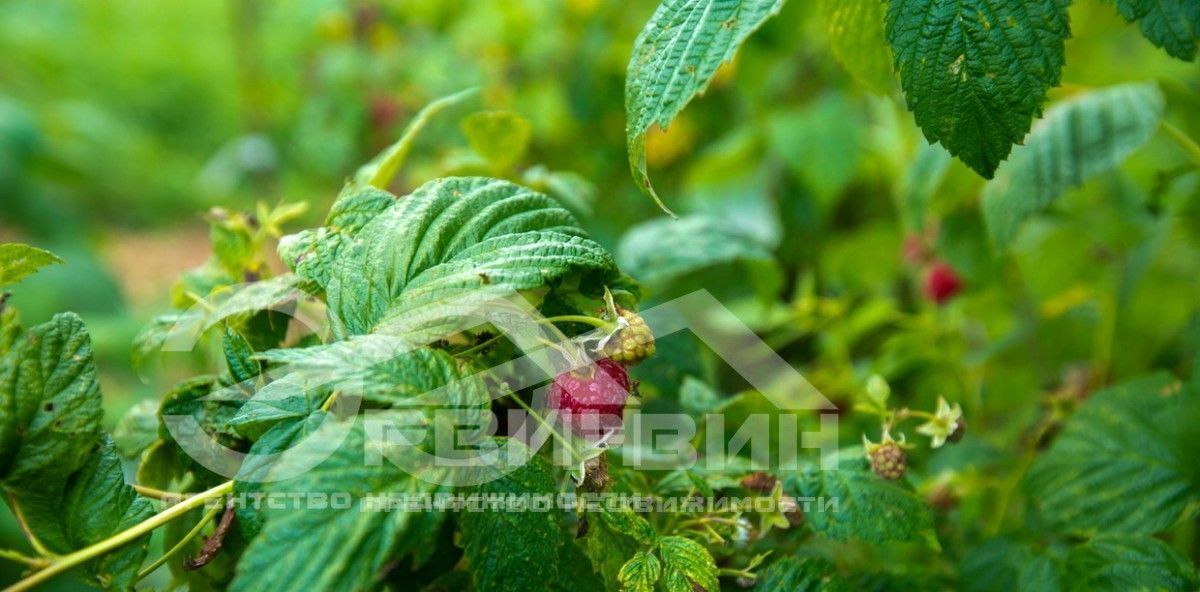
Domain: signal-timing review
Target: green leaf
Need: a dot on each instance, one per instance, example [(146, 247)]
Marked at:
[(868, 508), (613, 537), (383, 168), (1003, 565), (661, 250), (49, 403), (1124, 463), (18, 261), (137, 429), (640, 573), (500, 137), (791, 574), (180, 331), (1078, 139), (1119, 564), (454, 238), (91, 505), (338, 547), (687, 565), (674, 58), (855, 29), (975, 72), (513, 550), (238, 356), (1173, 25)]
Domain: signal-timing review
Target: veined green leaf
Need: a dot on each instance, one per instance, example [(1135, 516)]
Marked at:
[(1173, 25), (238, 353), (451, 239), (513, 551), (687, 565), (975, 72), (613, 537), (18, 260), (1004, 565), (674, 58), (660, 250), (340, 546), (1125, 463), (868, 508), (855, 29), (1121, 564), (1077, 140), (790, 574), (640, 573), (91, 505), (49, 403)]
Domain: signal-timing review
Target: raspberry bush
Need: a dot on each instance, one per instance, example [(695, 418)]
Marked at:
[(894, 220)]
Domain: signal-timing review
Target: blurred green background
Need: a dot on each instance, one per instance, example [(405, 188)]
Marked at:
[(122, 122)]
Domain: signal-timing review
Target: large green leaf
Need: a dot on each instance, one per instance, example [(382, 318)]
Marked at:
[(975, 72), (1004, 565), (1173, 25), (675, 57), (855, 29), (18, 260), (869, 508), (508, 550), (92, 505), (1077, 140), (454, 239), (790, 574), (1122, 564), (660, 250), (687, 565), (1125, 462), (49, 403), (340, 546)]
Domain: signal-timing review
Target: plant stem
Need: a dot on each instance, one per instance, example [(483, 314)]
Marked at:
[(193, 533), (1186, 143), (542, 422), (476, 348), (597, 323), (34, 562), (34, 542), (159, 494), (67, 562)]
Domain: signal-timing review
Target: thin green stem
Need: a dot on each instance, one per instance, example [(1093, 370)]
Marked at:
[(1184, 141), (553, 432), (383, 168), (593, 321), (187, 538), (158, 494), (34, 562), (68, 562), (34, 542), (479, 347)]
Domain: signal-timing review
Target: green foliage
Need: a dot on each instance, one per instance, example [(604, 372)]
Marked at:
[(640, 573), (513, 550), (661, 250), (855, 29), (975, 73), (801, 575), (1173, 25), (674, 58), (1077, 140), (868, 507), (18, 261), (1125, 461), (687, 565)]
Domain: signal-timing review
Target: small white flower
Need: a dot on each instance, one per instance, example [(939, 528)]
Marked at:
[(942, 424)]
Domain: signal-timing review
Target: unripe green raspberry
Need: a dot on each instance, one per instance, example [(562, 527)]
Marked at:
[(888, 460), (631, 342)]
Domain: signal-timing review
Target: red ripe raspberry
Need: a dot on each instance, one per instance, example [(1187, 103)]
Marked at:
[(592, 398), (942, 283)]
